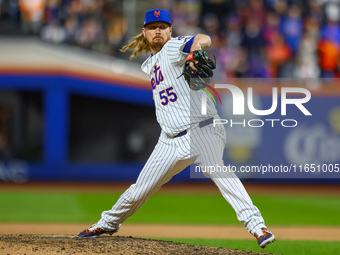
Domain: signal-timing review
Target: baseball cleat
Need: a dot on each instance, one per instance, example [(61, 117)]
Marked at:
[(95, 232), (265, 239)]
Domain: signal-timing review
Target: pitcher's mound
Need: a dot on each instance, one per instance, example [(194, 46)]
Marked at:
[(63, 244)]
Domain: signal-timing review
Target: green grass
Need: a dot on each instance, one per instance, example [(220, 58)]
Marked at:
[(213, 209), (166, 208), (279, 247), (183, 209), (52, 207)]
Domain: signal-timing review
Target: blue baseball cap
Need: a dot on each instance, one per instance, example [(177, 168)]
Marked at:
[(157, 15)]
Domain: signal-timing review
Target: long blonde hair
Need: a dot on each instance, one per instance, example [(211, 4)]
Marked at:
[(138, 44)]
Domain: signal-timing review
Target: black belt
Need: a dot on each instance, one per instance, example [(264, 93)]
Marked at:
[(201, 125)]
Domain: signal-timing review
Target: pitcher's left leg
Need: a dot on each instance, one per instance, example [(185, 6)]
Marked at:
[(211, 143)]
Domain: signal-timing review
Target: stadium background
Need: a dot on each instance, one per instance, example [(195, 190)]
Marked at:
[(73, 109)]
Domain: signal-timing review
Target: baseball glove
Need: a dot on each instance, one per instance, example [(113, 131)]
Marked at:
[(198, 79)]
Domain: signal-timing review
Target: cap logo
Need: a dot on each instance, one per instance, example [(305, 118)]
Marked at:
[(157, 13)]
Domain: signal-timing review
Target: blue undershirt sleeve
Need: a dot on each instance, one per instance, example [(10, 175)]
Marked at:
[(187, 46)]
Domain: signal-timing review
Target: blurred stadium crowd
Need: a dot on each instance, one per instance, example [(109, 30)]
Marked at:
[(252, 38)]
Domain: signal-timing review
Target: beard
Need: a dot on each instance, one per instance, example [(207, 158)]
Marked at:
[(157, 43)]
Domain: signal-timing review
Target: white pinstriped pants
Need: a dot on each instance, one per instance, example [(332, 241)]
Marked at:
[(202, 146)]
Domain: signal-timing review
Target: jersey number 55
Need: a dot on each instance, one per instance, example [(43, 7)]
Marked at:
[(167, 95)]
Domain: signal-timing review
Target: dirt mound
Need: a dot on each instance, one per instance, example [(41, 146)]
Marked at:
[(57, 244)]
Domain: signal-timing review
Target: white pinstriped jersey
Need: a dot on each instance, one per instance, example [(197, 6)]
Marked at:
[(177, 109), (177, 106)]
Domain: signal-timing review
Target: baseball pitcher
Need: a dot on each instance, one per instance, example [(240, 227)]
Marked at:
[(179, 70)]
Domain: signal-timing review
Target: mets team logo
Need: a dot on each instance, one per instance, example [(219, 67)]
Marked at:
[(157, 13), (158, 76)]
